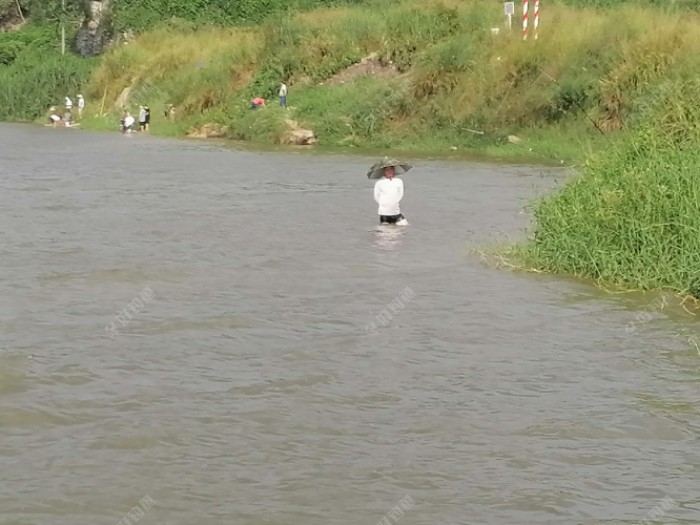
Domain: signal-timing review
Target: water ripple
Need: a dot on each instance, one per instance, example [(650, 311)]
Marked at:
[(250, 387)]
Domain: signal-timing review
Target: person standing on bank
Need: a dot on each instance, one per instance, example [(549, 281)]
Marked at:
[(81, 106), (142, 118), (388, 191), (283, 95), (148, 117)]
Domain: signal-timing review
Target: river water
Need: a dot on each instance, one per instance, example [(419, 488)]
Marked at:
[(198, 334)]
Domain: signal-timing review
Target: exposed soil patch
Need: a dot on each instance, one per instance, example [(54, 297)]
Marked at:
[(11, 19), (370, 65)]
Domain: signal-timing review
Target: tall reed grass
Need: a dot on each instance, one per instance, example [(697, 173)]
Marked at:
[(631, 218), (37, 81)]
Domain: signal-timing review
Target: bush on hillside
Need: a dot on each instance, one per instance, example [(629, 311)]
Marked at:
[(140, 15), (29, 86)]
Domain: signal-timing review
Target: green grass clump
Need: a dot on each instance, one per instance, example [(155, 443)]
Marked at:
[(141, 15), (632, 217), (34, 75), (38, 79)]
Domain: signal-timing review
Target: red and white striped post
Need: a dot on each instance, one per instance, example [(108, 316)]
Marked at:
[(537, 18), (526, 9)]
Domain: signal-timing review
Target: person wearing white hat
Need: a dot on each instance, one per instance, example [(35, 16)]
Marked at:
[(81, 105)]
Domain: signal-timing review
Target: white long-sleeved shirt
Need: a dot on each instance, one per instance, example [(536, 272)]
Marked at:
[(283, 90), (388, 193)]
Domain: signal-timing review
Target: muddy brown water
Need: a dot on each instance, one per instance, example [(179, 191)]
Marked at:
[(283, 361)]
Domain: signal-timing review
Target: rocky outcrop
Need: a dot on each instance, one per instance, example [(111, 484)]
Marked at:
[(123, 99), (209, 131), (293, 135), (94, 34), (298, 136), (11, 17)]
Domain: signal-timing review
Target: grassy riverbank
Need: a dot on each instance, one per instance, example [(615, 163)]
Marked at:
[(632, 217), (442, 79)]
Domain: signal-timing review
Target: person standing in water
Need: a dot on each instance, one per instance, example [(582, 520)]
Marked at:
[(388, 192), (128, 123)]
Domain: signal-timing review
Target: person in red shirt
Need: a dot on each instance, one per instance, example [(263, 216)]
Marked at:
[(257, 102)]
